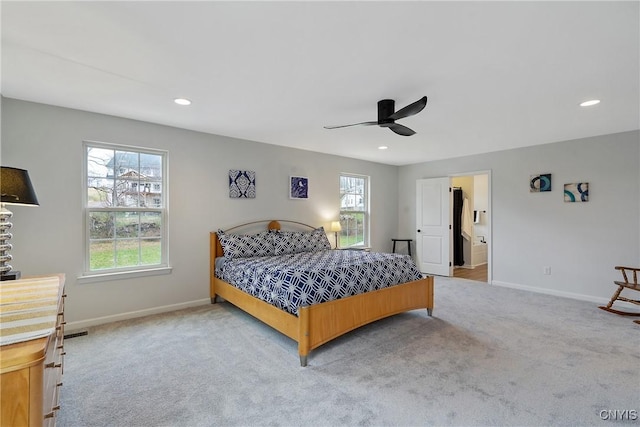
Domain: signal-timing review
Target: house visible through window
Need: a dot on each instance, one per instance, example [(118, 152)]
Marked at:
[(354, 210), (125, 208)]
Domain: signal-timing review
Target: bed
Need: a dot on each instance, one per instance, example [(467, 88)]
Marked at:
[(310, 319)]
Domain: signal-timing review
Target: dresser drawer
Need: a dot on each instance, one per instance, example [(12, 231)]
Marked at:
[(53, 369), (52, 379)]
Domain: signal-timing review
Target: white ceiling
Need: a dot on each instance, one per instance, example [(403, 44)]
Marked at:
[(498, 75)]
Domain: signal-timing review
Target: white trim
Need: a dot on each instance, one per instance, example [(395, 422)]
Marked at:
[(70, 327), (118, 275), (136, 271), (367, 211), (571, 295), (470, 267)]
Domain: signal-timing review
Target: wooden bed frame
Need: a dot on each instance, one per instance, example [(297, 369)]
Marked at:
[(320, 323)]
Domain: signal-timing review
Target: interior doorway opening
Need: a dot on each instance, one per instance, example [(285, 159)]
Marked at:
[(471, 227)]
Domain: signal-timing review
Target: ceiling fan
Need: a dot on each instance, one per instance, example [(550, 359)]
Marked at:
[(387, 116)]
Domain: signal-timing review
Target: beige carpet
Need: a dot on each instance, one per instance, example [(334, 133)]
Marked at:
[(490, 356)]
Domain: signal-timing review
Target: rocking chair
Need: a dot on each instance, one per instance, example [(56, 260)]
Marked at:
[(634, 285)]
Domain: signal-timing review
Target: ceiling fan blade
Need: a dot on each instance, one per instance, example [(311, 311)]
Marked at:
[(401, 130), (354, 124), (410, 109)]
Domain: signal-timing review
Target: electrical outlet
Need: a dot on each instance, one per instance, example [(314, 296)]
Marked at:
[(546, 270)]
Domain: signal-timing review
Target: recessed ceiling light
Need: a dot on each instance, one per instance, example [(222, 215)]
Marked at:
[(590, 103), (382, 147), (182, 101)]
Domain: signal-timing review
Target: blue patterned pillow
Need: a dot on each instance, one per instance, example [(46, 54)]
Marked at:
[(246, 245), (291, 242)]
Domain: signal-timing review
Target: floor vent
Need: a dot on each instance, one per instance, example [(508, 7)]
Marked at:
[(76, 334)]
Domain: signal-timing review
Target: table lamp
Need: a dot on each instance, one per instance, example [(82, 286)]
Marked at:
[(15, 189), (335, 227)]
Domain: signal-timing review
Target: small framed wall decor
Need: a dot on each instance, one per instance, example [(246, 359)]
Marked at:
[(242, 184), (540, 183), (576, 192), (298, 187)]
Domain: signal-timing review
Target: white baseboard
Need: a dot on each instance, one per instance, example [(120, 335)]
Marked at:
[(74, 326), (581, 297), (82, 324), (470, 267)]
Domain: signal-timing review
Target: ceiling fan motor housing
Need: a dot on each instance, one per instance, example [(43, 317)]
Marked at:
[(386, 107)]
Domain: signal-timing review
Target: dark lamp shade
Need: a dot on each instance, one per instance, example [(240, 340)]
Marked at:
[(16, 187)]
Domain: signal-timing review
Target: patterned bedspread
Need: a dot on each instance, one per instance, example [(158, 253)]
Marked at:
[(294, 280)]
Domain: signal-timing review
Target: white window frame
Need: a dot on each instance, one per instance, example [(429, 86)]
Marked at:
[(366, 212), (134, 271)]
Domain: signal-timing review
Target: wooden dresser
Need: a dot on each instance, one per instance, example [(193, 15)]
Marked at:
[(31, 357)]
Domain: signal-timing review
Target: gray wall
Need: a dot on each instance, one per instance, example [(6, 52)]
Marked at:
[(581, 242), (47, 141)]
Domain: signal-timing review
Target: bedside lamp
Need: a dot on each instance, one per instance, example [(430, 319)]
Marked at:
[(335, 227), (15, 189)]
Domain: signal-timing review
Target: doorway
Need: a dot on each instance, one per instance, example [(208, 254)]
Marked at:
[(434, 225), (471, 226)]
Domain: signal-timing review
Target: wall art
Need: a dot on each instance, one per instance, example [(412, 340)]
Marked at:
[(298, 187), (577, 192), (540, 183), (242, 184)]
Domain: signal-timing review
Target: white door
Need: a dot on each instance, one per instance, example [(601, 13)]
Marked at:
[(433, 219)]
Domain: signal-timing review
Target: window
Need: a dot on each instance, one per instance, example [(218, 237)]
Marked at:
[(125, 208), (354, 210)]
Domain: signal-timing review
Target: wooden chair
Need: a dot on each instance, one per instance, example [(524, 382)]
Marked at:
[(633, 285)]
